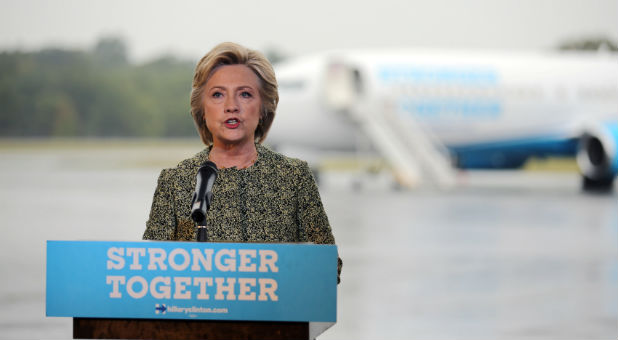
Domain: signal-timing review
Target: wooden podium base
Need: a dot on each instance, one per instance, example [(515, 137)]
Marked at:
[(89, 328)]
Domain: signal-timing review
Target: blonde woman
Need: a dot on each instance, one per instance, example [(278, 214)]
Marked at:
[(259, 195)]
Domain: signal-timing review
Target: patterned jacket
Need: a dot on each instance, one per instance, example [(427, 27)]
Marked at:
[(274, 200)]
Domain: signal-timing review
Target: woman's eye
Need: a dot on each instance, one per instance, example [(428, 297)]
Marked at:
[(217, 95), (246, 94)]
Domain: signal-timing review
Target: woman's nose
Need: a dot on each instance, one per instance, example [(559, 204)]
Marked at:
[(231, 105)]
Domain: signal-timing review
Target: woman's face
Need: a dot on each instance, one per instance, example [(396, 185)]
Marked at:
[(232, 105)]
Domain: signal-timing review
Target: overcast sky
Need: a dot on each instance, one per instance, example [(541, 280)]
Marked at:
[(190, 28)]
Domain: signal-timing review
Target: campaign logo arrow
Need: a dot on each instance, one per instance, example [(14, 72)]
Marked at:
[(160, 308)]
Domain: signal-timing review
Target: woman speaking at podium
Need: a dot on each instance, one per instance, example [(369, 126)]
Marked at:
[(259, 195)]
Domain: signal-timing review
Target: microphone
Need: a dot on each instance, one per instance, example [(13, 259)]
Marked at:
[(206, 176)]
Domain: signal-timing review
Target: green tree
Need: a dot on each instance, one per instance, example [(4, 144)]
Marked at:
[(57, 92)]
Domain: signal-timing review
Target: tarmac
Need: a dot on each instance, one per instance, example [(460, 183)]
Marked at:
[(502, 255)]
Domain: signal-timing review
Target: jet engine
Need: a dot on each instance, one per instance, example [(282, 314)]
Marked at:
[(597, 157)]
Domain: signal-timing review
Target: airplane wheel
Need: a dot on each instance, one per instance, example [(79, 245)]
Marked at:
[(595, 185)]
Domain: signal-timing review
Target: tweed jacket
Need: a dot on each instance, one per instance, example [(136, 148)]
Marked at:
[(274, 200)]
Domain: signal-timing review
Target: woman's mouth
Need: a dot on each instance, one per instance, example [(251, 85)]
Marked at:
[(232, 123)]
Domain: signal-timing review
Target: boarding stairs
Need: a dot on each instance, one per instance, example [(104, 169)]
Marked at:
[(412, 151)]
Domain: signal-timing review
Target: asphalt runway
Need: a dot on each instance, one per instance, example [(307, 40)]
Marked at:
[(502, 256), (509, 255)]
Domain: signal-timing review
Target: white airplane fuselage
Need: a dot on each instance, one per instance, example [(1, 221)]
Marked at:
[(491, 110)]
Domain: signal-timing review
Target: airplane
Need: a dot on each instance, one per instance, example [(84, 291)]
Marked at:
[(427, 111)]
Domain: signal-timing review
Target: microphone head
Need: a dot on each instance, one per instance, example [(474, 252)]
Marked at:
[(210, 165), (206, 176)]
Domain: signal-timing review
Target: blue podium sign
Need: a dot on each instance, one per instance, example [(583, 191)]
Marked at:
[(190, 280)]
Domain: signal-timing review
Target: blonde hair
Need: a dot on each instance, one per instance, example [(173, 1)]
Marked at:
[(228, 53)]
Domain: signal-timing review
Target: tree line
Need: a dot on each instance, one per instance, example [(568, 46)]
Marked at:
[(96, 92)]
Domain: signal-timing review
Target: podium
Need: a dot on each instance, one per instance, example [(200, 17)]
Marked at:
[(189, 290)]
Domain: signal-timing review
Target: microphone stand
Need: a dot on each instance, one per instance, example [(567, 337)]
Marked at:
[(199, 217), (202, 236)]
